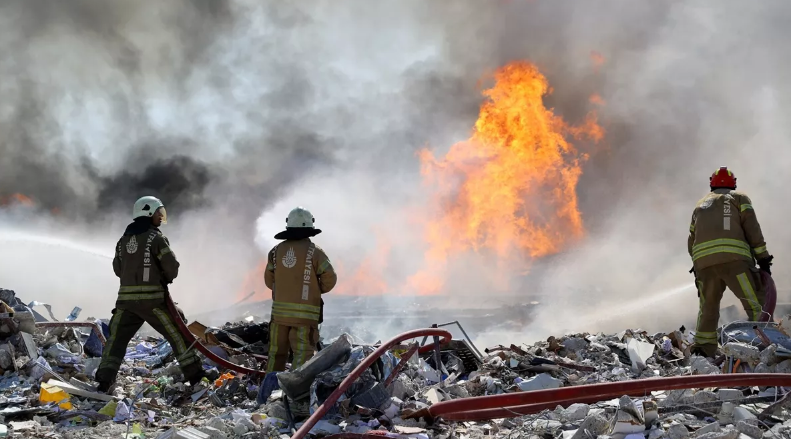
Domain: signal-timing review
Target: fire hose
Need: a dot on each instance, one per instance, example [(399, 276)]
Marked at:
[(174, 313), (362, 367), (505, 405), (511, 405)]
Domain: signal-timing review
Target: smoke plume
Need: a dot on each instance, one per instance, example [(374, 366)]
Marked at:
[(235, 112)]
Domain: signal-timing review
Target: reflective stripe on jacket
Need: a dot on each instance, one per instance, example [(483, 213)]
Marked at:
[(298, 272), (145, 265), (724, 228)]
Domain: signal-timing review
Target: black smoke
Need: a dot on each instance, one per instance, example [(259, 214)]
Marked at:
[(180, 181)]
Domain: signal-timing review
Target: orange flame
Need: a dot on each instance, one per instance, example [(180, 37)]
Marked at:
[(596, 100), (368, 279), (510, 188), (597, 59), (254, 282), (16, 199)]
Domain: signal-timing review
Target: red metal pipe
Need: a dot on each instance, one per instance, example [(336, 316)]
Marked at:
[(363, 366), (198, 345), (762, 335), (527, 409), (93, 325), (504, 406), (346, 435), (770, 297)]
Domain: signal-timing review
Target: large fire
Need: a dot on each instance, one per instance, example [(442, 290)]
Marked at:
[(509, 190)]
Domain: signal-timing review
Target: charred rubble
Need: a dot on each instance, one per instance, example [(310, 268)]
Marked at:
[(47, 388)]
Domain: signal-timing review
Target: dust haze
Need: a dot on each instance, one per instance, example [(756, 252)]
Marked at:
[(234, 112)]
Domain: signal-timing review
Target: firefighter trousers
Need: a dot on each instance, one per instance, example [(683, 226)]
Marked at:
[(301, 340), (743, 279), (128, 317)]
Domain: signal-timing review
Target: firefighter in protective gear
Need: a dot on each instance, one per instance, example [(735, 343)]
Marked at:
[(298, 272), (724, 242), (145, 265)]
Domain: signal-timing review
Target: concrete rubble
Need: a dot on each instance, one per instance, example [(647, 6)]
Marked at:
[(47, 391)]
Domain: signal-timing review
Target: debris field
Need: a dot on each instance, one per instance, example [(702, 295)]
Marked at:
[(421, 385)]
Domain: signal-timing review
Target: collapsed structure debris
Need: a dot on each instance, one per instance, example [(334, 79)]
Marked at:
[(419, 385)]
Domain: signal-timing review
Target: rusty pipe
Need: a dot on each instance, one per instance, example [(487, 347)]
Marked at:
[(362, 367), (191, 339), (517, 404), (762, 335), (347, 435)]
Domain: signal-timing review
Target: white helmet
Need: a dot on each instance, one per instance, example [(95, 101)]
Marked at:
[(146, 206), (300, 218)]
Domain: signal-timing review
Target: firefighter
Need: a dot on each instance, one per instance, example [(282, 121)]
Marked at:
[(298, 272), (725, 241), (146, 265)]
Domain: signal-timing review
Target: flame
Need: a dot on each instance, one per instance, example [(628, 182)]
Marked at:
[(596, 100), (22, 199), (597, 59), (511, 188), (254, 282), (427, 282), (368, 278), (508, 191), (365, 281), (16, 199)]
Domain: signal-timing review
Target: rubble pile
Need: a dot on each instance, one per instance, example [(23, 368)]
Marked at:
[(577, 360), (47, 388)]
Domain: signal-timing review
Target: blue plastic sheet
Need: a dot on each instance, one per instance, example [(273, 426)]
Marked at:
[(269, 385), (105, 328), (744, 332), (93, 346), (152, 355)]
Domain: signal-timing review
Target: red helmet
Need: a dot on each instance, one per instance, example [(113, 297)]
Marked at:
[(723, 178)]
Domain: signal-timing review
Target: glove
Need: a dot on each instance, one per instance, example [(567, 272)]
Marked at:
[(765, 264), (692, 270)]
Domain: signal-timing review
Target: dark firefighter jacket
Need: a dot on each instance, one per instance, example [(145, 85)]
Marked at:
[(724, 229), (144, 262)]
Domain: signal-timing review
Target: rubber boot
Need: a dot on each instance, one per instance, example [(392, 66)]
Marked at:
[(704, 350), (105, 387), (194, 373)]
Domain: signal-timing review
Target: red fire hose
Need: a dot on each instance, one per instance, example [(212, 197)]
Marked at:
[(364, 365), (346, 435), (520, 403), (198, 345)]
